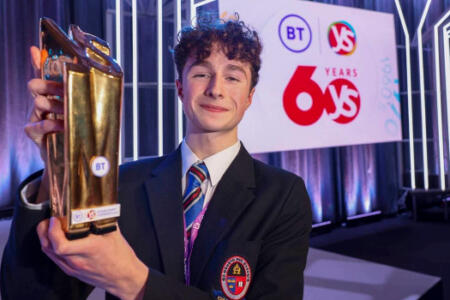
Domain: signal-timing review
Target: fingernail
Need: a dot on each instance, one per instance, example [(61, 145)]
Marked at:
[(53, 220), (44, 243)]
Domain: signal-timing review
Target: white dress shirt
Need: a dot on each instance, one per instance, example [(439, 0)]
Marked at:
[(217, 164), (32, 188)]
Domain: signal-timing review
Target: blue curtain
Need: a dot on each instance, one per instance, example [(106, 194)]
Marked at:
[(19, 157)]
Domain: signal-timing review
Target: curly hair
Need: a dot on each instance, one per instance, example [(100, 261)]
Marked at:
[(233, 37)]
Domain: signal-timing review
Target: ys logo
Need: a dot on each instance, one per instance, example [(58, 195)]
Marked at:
[(304, 101), (342, 38)]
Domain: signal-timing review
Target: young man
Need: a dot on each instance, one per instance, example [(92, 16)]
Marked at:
[(204, 222)]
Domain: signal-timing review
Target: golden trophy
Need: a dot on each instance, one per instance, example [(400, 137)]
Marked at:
[(83, 160)]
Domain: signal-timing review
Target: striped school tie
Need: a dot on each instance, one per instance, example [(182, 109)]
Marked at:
[(193, 195)]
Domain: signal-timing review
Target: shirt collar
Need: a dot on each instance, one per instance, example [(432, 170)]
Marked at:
[(217, 163)]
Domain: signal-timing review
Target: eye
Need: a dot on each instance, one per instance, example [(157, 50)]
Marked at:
[(232, 78), (201, 75)]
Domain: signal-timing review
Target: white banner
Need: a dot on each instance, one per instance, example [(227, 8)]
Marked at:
[(95, 213), (328, 76)]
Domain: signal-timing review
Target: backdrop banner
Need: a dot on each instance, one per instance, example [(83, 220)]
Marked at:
[(328, 77)]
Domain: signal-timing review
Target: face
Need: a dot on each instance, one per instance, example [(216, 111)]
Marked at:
[(215, 93)]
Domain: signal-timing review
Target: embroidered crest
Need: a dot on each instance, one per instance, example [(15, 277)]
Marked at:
[(235, 277)]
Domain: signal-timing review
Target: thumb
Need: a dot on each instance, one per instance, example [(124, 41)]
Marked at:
[(56, 234), (35, 54)]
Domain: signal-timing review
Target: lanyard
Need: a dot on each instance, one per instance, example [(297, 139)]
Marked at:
[(189, 244)]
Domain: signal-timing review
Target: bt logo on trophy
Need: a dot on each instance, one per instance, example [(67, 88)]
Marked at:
[(100, 166), (342, 38), (304, 102), (295, 33)]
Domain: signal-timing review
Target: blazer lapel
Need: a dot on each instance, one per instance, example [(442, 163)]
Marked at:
[(232, 195), (164, 193)]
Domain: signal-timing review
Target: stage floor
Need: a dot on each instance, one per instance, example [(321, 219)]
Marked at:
[(334, 276)]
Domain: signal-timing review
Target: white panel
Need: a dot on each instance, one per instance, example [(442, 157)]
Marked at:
[(179, 111), (160, 79), (437, 76), (134, 21), (446, 41), (119, 61), (345, 87), (412, 157), (422, 96)]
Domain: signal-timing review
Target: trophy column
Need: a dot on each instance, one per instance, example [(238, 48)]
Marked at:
[(83, 162)]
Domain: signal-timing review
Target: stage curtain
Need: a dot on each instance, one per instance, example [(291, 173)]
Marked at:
[(19, 157), (341, 181)]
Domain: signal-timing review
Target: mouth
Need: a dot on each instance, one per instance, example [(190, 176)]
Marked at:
[(213, 108)]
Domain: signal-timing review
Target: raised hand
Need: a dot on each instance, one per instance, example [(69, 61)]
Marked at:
[(44, 93), (105, 261)]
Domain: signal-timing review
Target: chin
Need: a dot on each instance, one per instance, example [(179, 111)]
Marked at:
[(212, 124), (211, 127)]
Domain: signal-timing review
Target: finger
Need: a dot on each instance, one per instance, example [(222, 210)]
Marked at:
[(82, 274), (35, 54), (73, 265), (62, 246), (60, 262), (43, 105), (37, 130), (38, 86), (52, 229), (42, 229), (56, 236)]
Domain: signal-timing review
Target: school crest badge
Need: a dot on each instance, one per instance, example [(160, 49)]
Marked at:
[(235, 277)]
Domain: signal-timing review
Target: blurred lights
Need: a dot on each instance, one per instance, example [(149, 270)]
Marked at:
[(438, 98), (134, 33), (179, 132), (371, 214), (119, 61), (422, 96), (446, 40), (160, 77), (409, 95)]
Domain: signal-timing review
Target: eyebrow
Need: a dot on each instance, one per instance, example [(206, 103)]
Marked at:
[(199, 63), (236, 68), (230, 67)]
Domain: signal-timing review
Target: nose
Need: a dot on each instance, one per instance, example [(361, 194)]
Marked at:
[(215, 88)]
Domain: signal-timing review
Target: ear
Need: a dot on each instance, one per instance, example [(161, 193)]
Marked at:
[(179, 86), (250, 97)]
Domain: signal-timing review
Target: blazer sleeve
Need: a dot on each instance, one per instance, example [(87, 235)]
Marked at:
[(26, 272), (160, 286)]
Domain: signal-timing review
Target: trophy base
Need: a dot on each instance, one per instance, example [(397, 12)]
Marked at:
[(103, 226), (99, 227), (76, 231), (74, 235)]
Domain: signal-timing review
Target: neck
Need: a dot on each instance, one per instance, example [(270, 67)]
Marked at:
[(207, 144)]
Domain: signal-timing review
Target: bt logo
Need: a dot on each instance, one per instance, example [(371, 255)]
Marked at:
[(304, 101), (342, 38), (294, 33), (100, 166)]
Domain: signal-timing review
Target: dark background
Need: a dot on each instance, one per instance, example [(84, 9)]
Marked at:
[(342, 181)]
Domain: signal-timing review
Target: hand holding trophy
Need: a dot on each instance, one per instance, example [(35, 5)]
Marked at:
[(82, 161)]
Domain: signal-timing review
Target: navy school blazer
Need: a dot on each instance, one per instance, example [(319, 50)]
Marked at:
[(259, 219)]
